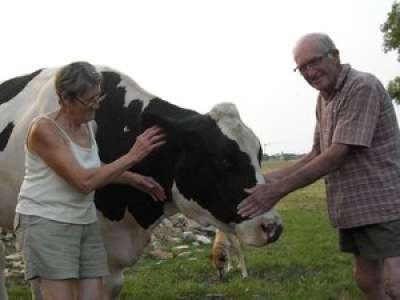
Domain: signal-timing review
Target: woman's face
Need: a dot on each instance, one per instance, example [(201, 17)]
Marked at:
[(84, 106)]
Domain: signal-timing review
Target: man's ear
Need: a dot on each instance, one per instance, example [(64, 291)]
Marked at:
[(334, 54)]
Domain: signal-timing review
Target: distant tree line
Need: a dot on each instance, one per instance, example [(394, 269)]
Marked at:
[(282, 156), (391, 42)]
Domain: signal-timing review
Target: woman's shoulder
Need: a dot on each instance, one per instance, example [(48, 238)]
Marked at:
[(42, 124), (45, 131)]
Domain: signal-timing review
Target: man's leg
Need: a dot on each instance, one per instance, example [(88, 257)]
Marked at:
[(392, 277), (369, 278)]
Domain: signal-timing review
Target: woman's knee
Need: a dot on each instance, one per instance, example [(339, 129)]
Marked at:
[(90, 289)]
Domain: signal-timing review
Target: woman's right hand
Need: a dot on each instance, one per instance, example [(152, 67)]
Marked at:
[(152, 138), (148, 185)]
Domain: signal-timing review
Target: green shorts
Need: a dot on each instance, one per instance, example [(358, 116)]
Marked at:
[(376, 241), (55, 251)]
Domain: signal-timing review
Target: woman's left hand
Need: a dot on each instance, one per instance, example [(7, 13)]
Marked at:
[(148, 185)]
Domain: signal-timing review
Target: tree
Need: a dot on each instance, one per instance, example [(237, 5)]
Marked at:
[(391, 41)]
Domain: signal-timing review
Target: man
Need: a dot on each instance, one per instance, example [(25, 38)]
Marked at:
[(357, 148)]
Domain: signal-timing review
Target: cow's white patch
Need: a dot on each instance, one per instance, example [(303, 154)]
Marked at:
[(27, 100), (191, 209), (133, 90), (37, 97)]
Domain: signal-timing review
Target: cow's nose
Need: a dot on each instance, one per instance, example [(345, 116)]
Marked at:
[(273, 231)]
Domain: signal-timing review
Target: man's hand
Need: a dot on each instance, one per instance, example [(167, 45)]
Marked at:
[(261, 199), (269, 178)]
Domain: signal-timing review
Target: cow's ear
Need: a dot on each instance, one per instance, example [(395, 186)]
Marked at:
[(225, 110)]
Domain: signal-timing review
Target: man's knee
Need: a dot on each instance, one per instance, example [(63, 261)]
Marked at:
[(367, 283), (392, 289), (392, 277), (369, 276)]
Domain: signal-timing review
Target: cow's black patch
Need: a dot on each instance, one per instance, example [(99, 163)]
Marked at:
[(118, 127), (208, 167), (5, 135), (212, 170), (12, 87)]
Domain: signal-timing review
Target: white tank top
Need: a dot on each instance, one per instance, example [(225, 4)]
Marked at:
[(44, 193)]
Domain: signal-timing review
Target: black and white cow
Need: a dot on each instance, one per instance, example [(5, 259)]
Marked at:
[(204, 167)]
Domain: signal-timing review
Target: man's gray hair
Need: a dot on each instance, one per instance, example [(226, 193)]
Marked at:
[(324, 41)]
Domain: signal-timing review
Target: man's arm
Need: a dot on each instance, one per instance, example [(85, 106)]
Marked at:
[(264, 197), (321, 165), (286, 171)]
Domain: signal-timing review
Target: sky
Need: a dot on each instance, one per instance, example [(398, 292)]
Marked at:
[(196, 54)]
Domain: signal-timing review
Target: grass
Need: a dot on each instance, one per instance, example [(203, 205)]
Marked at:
[(304, 264)]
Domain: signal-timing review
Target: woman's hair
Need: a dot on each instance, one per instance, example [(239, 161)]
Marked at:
[(76, 78)]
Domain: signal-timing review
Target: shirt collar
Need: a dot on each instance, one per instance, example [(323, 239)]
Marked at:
[(342, 76), (339, 82)]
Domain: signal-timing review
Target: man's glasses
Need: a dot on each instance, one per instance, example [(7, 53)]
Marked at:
[(314, 62), (92, 102)]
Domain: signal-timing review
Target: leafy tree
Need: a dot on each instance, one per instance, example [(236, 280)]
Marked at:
[(394, 89), (391, 41)]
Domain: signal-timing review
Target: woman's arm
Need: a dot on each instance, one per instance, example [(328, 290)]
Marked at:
[(45, 140)]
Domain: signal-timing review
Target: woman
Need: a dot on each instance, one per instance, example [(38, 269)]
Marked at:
[(61, 241)]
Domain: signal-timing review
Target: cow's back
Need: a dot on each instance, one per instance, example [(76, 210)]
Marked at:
[(21, 99)]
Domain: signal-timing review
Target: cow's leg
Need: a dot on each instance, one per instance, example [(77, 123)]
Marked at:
[(228, 266), (125, 241), (3, 290), (220, 254), (113, 284), (236, 251)]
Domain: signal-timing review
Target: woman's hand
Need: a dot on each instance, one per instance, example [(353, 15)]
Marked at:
[(148, 185), (152, 138)]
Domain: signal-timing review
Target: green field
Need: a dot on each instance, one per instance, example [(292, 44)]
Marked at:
[(304, 264)]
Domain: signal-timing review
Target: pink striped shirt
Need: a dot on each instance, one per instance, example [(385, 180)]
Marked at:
[(366, 189)]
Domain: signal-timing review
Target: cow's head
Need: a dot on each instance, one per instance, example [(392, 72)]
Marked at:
[(218, 158)]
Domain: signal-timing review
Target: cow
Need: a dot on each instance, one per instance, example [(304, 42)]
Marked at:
[(207, 162)]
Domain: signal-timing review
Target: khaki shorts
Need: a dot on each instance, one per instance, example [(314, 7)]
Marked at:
[(55, 251), (376, 241)]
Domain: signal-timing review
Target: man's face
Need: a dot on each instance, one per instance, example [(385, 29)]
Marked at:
[(319, 68)]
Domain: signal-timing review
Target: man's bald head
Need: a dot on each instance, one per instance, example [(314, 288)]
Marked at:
[(320, 40)]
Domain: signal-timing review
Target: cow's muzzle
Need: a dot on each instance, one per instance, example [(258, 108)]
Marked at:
[(273, 231)]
